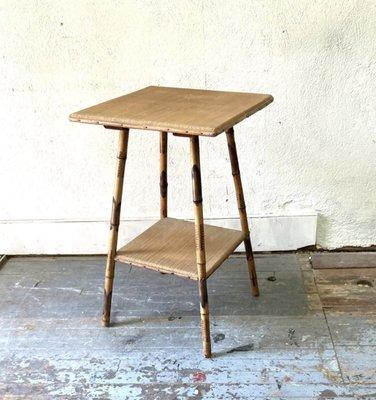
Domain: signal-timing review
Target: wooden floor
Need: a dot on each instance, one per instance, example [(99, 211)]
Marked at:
[(286, 344)]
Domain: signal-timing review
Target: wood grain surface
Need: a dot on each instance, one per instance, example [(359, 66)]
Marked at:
[(169, 246), (186, 111)]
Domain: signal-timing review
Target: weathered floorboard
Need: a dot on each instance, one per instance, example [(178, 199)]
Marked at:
[(352, 328), (278, 346), (344, 260), (348, 289)]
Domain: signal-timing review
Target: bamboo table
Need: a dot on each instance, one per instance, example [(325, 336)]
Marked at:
[(173, 246)]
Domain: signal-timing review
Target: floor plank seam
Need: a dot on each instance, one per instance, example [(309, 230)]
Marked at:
[(334, 347)]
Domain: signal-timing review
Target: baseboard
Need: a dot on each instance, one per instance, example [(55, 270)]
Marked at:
[(269, 233)]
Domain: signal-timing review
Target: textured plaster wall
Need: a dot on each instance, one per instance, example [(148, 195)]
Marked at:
[(313, 148)]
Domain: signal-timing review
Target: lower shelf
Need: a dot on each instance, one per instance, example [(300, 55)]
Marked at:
[(169, 246)]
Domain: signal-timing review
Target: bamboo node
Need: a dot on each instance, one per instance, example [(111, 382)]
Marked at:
[(196, 187), (163, 184)]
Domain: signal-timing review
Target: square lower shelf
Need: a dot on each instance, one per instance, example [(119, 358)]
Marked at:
[(169, 246)]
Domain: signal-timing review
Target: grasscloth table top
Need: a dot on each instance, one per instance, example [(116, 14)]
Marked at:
[(184, 111)]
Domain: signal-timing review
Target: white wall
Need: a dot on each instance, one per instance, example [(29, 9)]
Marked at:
[(312, 150)]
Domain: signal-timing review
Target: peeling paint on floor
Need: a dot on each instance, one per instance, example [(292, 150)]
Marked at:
[(282, 345)]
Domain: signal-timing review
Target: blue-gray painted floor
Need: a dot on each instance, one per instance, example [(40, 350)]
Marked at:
[(282, 345)]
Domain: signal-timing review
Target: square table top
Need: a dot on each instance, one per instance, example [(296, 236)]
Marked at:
[(177, 110)]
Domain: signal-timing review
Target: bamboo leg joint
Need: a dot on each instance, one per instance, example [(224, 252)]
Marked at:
[(200, 245), (114, 226), (242, 208), (163, 185)]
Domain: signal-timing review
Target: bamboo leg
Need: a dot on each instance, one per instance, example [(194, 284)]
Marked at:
[(200, 245), (114, 227), (163, 173), (242, 209)]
